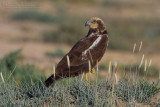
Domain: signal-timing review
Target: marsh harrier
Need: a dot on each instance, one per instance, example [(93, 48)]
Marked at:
[(91, 49)]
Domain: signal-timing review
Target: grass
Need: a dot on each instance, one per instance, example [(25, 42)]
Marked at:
[(20, 73), (139, 91), (77, 94), (151, 71), (23, 86), (23, 83)]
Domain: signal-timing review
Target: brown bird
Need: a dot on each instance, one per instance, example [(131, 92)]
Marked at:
[(91, 49)]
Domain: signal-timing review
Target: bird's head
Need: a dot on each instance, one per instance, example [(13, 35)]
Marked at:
[(95, 23)]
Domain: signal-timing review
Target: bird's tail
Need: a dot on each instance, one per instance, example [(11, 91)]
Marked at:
[(50, 82)]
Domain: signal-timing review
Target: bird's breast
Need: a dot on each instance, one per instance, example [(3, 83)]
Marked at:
[(96, 49), (94, 45)]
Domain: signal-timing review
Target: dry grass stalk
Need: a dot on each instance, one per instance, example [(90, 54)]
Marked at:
[(141, 61), (54, 71), (150, 62), (68, 61), (2, 78), (97, 73), (145, 68), (82, 76), (115, 74), (89, 64), (134, 47), (97, 67), (109, 68), (116, 78), (140, 47)]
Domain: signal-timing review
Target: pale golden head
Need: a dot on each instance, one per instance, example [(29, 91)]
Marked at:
[(93, 22)]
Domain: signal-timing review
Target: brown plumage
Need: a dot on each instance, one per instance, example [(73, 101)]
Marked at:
[(90, 48)]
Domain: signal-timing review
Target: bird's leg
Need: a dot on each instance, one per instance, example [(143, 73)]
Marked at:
[(93, 71), (87, 78)]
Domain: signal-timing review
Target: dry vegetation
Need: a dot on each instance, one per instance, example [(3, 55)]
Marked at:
[(23, 86), (46, 30)]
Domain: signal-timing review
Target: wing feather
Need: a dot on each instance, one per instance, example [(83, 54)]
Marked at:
[(75, 54)]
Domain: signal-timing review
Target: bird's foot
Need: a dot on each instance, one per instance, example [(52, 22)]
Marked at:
[(87, 78), (93, 71)]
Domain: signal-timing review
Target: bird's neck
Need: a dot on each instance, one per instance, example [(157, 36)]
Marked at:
[(97, 31)]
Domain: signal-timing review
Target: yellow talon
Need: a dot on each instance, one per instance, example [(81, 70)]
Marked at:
[(90, 86), (87, 77), (93, 71)]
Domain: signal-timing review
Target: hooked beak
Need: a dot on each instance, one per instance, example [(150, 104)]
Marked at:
[(88, 23)]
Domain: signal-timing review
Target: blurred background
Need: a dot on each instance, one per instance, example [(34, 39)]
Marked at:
[(47, 30)]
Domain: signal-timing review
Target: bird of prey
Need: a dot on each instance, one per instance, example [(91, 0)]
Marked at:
[(91, 49)]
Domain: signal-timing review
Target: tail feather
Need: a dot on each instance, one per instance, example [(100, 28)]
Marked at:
[(51, 80)]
